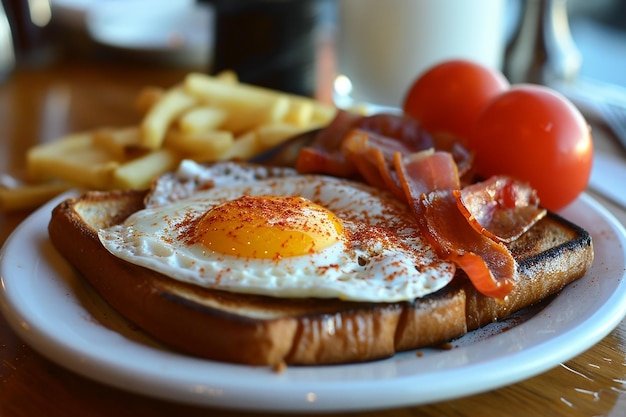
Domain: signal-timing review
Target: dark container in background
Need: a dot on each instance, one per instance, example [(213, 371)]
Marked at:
[(271, 43), (31, 35)]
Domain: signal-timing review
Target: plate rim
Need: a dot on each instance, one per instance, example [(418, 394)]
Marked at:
[(312, 397)]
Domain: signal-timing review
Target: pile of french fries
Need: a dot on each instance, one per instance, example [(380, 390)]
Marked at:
[(204, 118)]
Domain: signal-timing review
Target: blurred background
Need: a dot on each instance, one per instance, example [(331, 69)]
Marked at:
[(211, 35), (599, 30)]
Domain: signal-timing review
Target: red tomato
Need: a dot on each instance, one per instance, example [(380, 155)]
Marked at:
[(536, 135), (448, 97)]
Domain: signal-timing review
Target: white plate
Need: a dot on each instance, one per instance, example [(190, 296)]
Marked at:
[(52, 309)]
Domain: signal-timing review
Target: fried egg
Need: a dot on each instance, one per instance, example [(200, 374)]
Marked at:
[(246, 229)]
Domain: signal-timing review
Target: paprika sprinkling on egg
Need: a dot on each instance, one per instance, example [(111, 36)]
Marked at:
[(268, 227), (294, 236)]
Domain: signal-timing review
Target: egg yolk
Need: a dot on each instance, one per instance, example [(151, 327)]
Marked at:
[(268, 227)]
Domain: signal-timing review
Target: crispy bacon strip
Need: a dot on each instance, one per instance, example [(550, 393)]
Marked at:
[(324, 155), (462, 156), (372, 154), (389, 132), (317, 160), (500, 207), (402, 128), (389, 176), (488, 264), (467, 225), (428, 171)]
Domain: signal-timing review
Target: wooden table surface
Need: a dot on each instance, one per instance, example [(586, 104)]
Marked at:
[(41, 105)]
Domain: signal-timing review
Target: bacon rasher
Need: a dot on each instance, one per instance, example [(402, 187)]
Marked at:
[(500, 207), (325, 155), (488, 263), (466, 225)]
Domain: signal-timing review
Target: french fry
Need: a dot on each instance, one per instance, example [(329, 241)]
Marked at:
[(27, 197), (120, 143), (322, 113), (210, 89), (159, 118), (139, 172), (227, 76), (300, 112), (274, 134), (206, 118), (73, 159), (247, 107), (244, 147), (209, 145), (242, 120), (201, 119), (147, 97)]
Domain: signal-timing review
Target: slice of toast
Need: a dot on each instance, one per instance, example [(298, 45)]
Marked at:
[(261, 330)]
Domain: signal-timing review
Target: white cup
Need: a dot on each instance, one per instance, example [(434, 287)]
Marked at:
[(382, 46)]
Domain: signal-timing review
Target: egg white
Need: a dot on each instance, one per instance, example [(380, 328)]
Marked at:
[(381, 256)]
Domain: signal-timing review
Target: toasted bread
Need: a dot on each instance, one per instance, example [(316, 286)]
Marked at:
[(262, 330)]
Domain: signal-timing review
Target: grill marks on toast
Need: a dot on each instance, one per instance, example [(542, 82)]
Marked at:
[(261, 330)]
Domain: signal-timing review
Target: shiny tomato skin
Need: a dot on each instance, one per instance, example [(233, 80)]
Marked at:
[(448, 97), (534, 134)]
